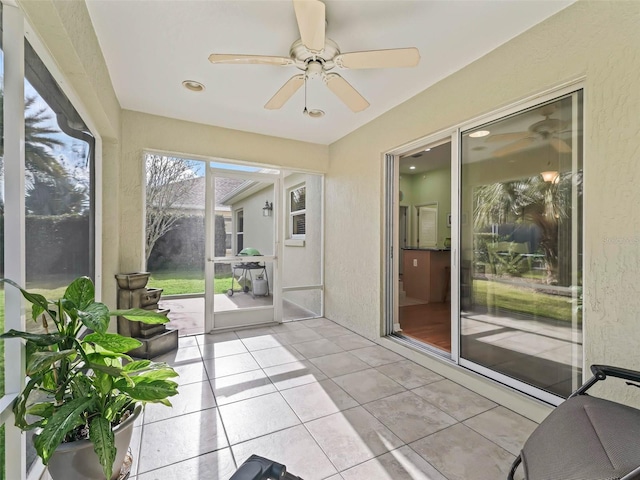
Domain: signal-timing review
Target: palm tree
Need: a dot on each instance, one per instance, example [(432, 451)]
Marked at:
[(530, 200), (50, 189)]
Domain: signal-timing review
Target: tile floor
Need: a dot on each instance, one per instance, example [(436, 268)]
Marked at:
[(327, 403)]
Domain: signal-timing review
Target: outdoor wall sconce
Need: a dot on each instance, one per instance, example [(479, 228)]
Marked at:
[(267, 209)]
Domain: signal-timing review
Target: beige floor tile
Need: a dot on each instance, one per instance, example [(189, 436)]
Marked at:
[(294, 448), (180, 438), (504, 427), (333, 331), (231, 365), (211, 466), (276, 356), (294, 374), (339, 364), (376, 355), (351, 341), (262, 342), (298, 336), (180, 356), (400, 464), (216, 337), (257, 416), (190, 373), (409, 374), (317, 348), (318, 323), (254, 332), (409, 416), (459, 402), (191, 398), (222, 349), (190, 341), (368, 385), (352, 437), (319, 399), (241, 386), (459, 453)]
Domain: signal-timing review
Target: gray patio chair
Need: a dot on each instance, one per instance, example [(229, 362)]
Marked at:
[(585, 438)]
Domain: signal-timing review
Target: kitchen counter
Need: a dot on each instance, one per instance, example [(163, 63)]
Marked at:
[(424, 273)]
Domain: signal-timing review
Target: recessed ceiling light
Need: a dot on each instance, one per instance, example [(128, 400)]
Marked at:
[(427, 149), (412, 167), (480, 134), (193, 85)]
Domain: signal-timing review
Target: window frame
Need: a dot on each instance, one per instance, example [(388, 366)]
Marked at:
[(295, 213), (238, 234)]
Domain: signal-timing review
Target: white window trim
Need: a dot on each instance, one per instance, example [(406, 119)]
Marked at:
[(295, 213), (236, 232)]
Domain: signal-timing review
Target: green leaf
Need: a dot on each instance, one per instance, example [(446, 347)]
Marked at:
[(141, 315), (116, 406), (44, 409), (103, 382), (109, 370), (41, 361), (159, 374), (95, 317), (137, 366), (81, 386), (81, 292), (20, 405), (101, 434), (34, 298), (150, 390), (113, 342), (65, 419), (41, 340)]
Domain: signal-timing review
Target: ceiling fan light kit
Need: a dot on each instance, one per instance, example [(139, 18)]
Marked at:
[(316, 55)]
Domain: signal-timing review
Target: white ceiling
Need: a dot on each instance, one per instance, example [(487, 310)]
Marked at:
[(151, 46)]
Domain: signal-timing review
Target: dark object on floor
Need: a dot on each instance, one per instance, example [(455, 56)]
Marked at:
[(586, 438), (260, 468)]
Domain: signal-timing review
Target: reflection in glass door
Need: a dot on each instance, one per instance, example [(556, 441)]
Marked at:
[(521, 248), (242, 271)]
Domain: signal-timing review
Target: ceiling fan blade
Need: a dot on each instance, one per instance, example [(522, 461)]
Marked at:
[(507, 137), (345, 92), (310, 15), (285, 92), (514, 147), (392, 58), (560, 145), (249, 59)]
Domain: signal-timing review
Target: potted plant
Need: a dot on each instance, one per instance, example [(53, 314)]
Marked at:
[(83, 392)]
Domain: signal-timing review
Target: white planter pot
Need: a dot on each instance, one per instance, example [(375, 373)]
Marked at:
[(78, 461)]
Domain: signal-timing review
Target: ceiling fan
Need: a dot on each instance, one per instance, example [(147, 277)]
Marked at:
[(546, 130), (316, 55)]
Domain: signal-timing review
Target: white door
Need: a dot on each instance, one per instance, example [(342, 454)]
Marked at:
[(242, 224)]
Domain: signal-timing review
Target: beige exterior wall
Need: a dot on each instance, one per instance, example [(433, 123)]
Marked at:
[(596, 40)]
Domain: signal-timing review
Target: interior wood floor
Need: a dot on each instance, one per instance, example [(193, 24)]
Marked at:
[(430, 323)]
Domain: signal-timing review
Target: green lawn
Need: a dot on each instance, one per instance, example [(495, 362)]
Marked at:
[(522, 300), (188, 282)]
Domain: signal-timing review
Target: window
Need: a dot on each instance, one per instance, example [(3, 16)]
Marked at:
[(239, 230), (297, 212)]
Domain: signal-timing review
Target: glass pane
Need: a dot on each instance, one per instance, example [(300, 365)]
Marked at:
[(175, 238), (298, 199), (301, 304), (521, 275), (59, 181), (299, 224), (240, 206)]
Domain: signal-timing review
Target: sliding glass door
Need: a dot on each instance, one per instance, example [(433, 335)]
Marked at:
[(520, 270)]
